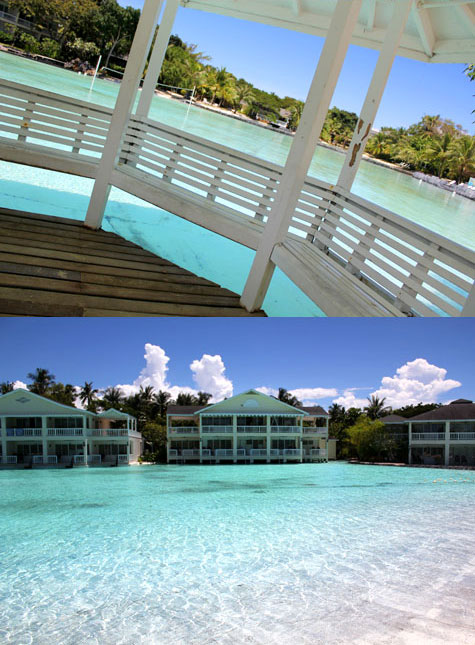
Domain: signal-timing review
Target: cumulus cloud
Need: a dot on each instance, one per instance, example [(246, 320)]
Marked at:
[(308, 395), (19, 385), (207, 372), (415, 381)]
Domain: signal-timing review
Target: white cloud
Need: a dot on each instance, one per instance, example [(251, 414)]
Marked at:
[(208, 374), (415, 381), (19, 385), (308, 395), (270, 391)]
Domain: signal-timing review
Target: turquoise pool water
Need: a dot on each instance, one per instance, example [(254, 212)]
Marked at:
[(188, 245), (307, 553)]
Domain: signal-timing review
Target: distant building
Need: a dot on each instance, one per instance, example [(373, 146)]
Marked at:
[(248, 428), (38, 431)]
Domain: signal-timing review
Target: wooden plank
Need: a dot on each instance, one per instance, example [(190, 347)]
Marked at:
[(118, 304), (17, 307)]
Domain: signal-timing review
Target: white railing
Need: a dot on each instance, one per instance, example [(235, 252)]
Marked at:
[(24, 432), (206, 452), (316, 431), (404, 267), (428, 436), (108, 433), (37, 459), (80, 460), (252, 429), (65, 432), (10, 459), (286, 429), (217, 429), (94, 459), (228, 177), (49, 460), (421, 272), (190, 452), (122, 459), (462, 436), (258, 452), (41, 118), (291, 452), (318, 453), (224, 452), (189, 430), (172, 453)]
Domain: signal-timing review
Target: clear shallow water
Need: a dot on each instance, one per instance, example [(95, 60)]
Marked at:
[(260, 554), (190, 246)]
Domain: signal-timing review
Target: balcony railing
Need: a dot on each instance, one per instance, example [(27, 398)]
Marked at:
[(321, 432), (79, 460), (49, 460), (94, 459), (291, 452), (217, 429), (190, 452), (258, 452), (10, 459), (122, 459), (428, 436), (187, 430), (252, 429), (318, 452), (224, 452), (23, 432), (65, 432), (286, 429), (462, 436), (108, 433)]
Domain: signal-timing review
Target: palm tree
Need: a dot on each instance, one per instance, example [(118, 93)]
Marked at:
[(203, 398), (184, 398), (198, 57), (42, 381), (61, 393), (162, 400), (376, 408), (461, 158), (112, 398), (6, 386), (87, 394), (244, 94), (286, 397), (378, 145), (296, 111), (439, 152)]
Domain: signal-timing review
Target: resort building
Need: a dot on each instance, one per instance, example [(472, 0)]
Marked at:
[(444, 436), (349, 255), (38, 431), (248, 428)]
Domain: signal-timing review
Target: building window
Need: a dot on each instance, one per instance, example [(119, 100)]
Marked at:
[(23, 422)]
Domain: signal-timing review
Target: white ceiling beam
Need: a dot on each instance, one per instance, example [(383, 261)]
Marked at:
[(371, 14), (432, 4), (424, 27), (466, 17)]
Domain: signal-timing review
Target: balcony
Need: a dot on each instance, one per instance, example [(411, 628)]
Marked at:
[(428, 436), (252, 429), (291, 452), (23, 432), (109, 433), (318, 432), (217, 429), (49, 460), (286, 429), (65, 432), (184, 430), (462, 436)]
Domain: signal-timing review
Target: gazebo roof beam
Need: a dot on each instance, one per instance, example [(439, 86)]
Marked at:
[(467, 17), (424, 27), (433, 4), (296, 7), (371, 14)]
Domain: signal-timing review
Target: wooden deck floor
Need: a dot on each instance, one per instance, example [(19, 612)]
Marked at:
[(51, 266)]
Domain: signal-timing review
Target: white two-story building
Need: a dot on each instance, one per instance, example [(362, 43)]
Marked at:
[(38, 431), (248, 428)]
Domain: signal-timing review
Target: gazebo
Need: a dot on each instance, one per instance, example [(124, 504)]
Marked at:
[(350, 256)]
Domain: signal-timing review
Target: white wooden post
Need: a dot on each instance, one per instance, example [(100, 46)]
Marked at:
[(235, 439), (375, 93), (3, 430), (302, 149), (469, 307), (156, 59), (268, 438), (44, 438), (123, 108), (409, 438), (447, 443)]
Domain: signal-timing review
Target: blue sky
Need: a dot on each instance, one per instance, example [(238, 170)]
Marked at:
[(328, 356), (284, 61)]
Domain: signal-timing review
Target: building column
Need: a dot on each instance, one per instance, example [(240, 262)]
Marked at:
[(235, 438), (268, 438), (368, 113), (447, 443), (3, 428), (44, 438), (302, 150), (84, 432), (409, 441), (156, 59), (128, 449), (122, 111)]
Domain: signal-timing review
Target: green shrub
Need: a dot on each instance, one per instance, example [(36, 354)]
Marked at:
[(6, 37), (50, 48), (82, 49), (29, 44)]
